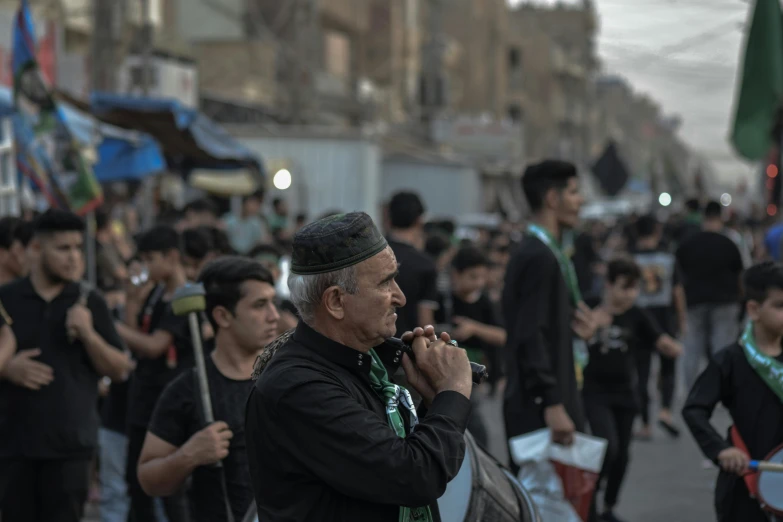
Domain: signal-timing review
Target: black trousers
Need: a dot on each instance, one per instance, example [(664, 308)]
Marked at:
[(613, 422), (142, 509), (46, 490), (666, 381)]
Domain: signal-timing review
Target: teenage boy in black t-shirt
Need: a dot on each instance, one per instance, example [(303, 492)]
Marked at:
[(240, 306), (610, 377), (161, 342), (663, 297), (470, 316)]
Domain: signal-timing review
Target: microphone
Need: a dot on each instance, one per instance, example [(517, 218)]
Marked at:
[(479, 371)]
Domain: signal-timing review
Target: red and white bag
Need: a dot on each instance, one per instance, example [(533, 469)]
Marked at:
[(561, 480)]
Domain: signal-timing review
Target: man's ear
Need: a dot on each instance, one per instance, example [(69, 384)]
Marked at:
[(753, 308), (552, 198), (334, 303), (221, 316)]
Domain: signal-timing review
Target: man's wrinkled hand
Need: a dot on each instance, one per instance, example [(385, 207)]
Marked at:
[(444, 366)]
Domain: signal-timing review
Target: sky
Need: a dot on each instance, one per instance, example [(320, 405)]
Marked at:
[(685, 55)]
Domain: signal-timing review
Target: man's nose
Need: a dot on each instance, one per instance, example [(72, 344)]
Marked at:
[(398, 298)]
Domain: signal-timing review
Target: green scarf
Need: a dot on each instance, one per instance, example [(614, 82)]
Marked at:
[(394, 396), (769, 369), (581, 355)]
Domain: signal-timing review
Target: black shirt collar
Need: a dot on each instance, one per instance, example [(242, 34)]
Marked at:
[(331, 350), (69, 290)]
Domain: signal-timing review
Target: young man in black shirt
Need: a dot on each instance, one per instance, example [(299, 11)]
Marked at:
[(546, 319), (747, 378), (418, 277), (610, 378), (240, 306), (161, 342), (66, 342), (711, 267), (663, 297)]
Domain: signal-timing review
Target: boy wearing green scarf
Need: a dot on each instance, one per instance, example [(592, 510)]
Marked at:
[(747, 378)]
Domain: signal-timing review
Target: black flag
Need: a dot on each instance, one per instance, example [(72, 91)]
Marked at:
[(610, 171)]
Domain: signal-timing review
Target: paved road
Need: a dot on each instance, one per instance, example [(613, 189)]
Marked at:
[(666, 480)]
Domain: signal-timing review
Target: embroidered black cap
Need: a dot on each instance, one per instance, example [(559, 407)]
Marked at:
[(335, 242)]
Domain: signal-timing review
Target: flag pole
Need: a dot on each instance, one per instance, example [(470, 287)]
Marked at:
[(90, 253)]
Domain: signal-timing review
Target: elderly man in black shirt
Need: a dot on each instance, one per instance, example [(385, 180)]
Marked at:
[(330, 437), (49, 391)]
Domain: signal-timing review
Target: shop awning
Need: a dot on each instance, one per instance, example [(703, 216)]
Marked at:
[(121, 154), (190, 140)]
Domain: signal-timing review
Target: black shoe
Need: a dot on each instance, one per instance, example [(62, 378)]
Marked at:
[(608, 516), (669, 428)]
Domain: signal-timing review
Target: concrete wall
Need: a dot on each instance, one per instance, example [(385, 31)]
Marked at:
[(446, 191), (327, 174)]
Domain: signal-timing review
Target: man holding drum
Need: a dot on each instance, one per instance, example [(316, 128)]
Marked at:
[(747, 377), (330, 436)]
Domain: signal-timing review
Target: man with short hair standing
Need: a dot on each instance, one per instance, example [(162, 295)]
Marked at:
[(546, 319), (711, 267), (66, 342), (240, 297), (161, 342), (418, 277), (330, 436)]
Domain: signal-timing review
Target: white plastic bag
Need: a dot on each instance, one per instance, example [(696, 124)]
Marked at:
[(560, 479)]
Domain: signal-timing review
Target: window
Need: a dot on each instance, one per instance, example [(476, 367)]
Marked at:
[(337, 50), (515, 113), (137, 76), (514, 58)]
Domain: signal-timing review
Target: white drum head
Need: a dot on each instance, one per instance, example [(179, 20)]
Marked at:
[(454, 503), (771, 485)]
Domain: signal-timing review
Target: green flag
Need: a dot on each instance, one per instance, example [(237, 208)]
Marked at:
[(761, 88)]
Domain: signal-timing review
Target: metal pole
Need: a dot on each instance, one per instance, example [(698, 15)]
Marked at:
[(146, 52), (201, 368), (91, 254)]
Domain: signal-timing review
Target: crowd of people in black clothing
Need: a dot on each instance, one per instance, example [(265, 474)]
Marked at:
[(96, 384)]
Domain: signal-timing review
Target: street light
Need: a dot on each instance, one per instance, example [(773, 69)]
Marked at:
[(665, 199), (282, 179)]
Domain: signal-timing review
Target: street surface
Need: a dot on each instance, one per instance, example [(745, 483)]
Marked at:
[(666, 479)]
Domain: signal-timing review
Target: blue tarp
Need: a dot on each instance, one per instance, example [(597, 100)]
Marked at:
[(122, 154), (189, 138)]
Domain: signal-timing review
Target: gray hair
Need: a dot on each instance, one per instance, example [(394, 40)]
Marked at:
[(308, 290)]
